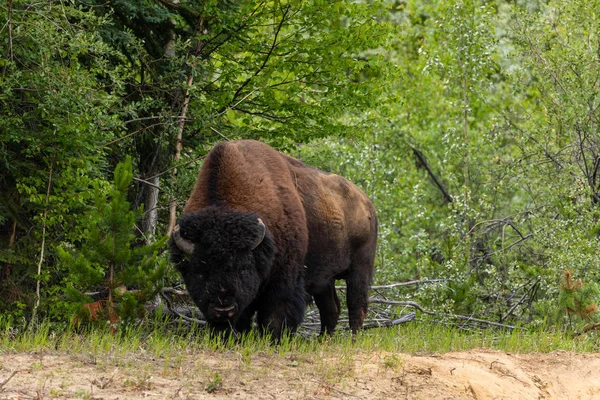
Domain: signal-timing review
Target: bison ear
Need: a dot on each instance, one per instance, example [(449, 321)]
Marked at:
[(261, 234), (184, 245)]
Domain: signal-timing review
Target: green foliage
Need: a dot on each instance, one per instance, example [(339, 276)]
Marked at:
[(88, 82), (106, 259), (54, 122), (472, 125), (484, 174)]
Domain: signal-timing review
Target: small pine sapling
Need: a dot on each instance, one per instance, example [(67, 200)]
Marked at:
[(577, 298), (109, 262)]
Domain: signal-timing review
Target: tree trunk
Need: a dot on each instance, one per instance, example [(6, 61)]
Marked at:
[(151, 209)]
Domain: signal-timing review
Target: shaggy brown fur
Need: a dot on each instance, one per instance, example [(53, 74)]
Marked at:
[(322, 227)]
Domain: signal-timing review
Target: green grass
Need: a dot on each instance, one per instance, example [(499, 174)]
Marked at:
[(162, 339)]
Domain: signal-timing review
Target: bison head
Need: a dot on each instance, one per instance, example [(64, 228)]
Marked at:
[(224, 257)]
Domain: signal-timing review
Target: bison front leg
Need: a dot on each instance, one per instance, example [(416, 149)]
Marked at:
[(329, 307), (282, 311), (244, 323)]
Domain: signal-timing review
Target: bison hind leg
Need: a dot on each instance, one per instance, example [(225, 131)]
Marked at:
[(329, 307), (358, 282)]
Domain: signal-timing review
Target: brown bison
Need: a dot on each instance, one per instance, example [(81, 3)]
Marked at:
[(261, 232)]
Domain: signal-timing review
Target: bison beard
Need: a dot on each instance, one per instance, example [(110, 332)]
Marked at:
[(262, 232)]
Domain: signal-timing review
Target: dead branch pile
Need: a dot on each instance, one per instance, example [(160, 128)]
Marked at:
[(384, 311)]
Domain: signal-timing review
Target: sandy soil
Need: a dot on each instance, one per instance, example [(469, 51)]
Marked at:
[(477, 374)]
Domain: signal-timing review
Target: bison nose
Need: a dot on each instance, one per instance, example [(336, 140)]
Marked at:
[(222, 311)]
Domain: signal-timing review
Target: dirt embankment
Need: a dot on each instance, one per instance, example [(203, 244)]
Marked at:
[(462, 375)]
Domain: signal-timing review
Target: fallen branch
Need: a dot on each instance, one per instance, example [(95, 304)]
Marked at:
[(456, 316), (346, 321), (312, 321), (588, 328), (401, 303), (369, 323), (411, 316), (482, 321), (398, 284), (174, 291), (175, 312)]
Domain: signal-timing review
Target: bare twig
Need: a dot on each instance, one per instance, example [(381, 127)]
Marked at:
[(264, 63), (517, 242), (521, 300), (179, 139), (9, 23), (135, 132), (220, 134), (494, 223), (227, 33), (4, 382), (178, 165), (43, 244), (141, 232), (224, 110), (437, 182), (147, 183)]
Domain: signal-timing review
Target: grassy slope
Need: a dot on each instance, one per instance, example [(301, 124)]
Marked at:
[(164, 340)]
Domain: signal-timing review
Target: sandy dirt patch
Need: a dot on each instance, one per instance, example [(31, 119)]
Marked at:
[(477, 374)]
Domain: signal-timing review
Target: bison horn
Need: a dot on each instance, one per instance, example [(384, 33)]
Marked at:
[(261, 234), (184, 245)]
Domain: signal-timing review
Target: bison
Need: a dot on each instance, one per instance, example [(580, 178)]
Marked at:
[(262, 233)]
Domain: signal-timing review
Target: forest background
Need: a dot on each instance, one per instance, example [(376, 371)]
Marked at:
[(473, 126)]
